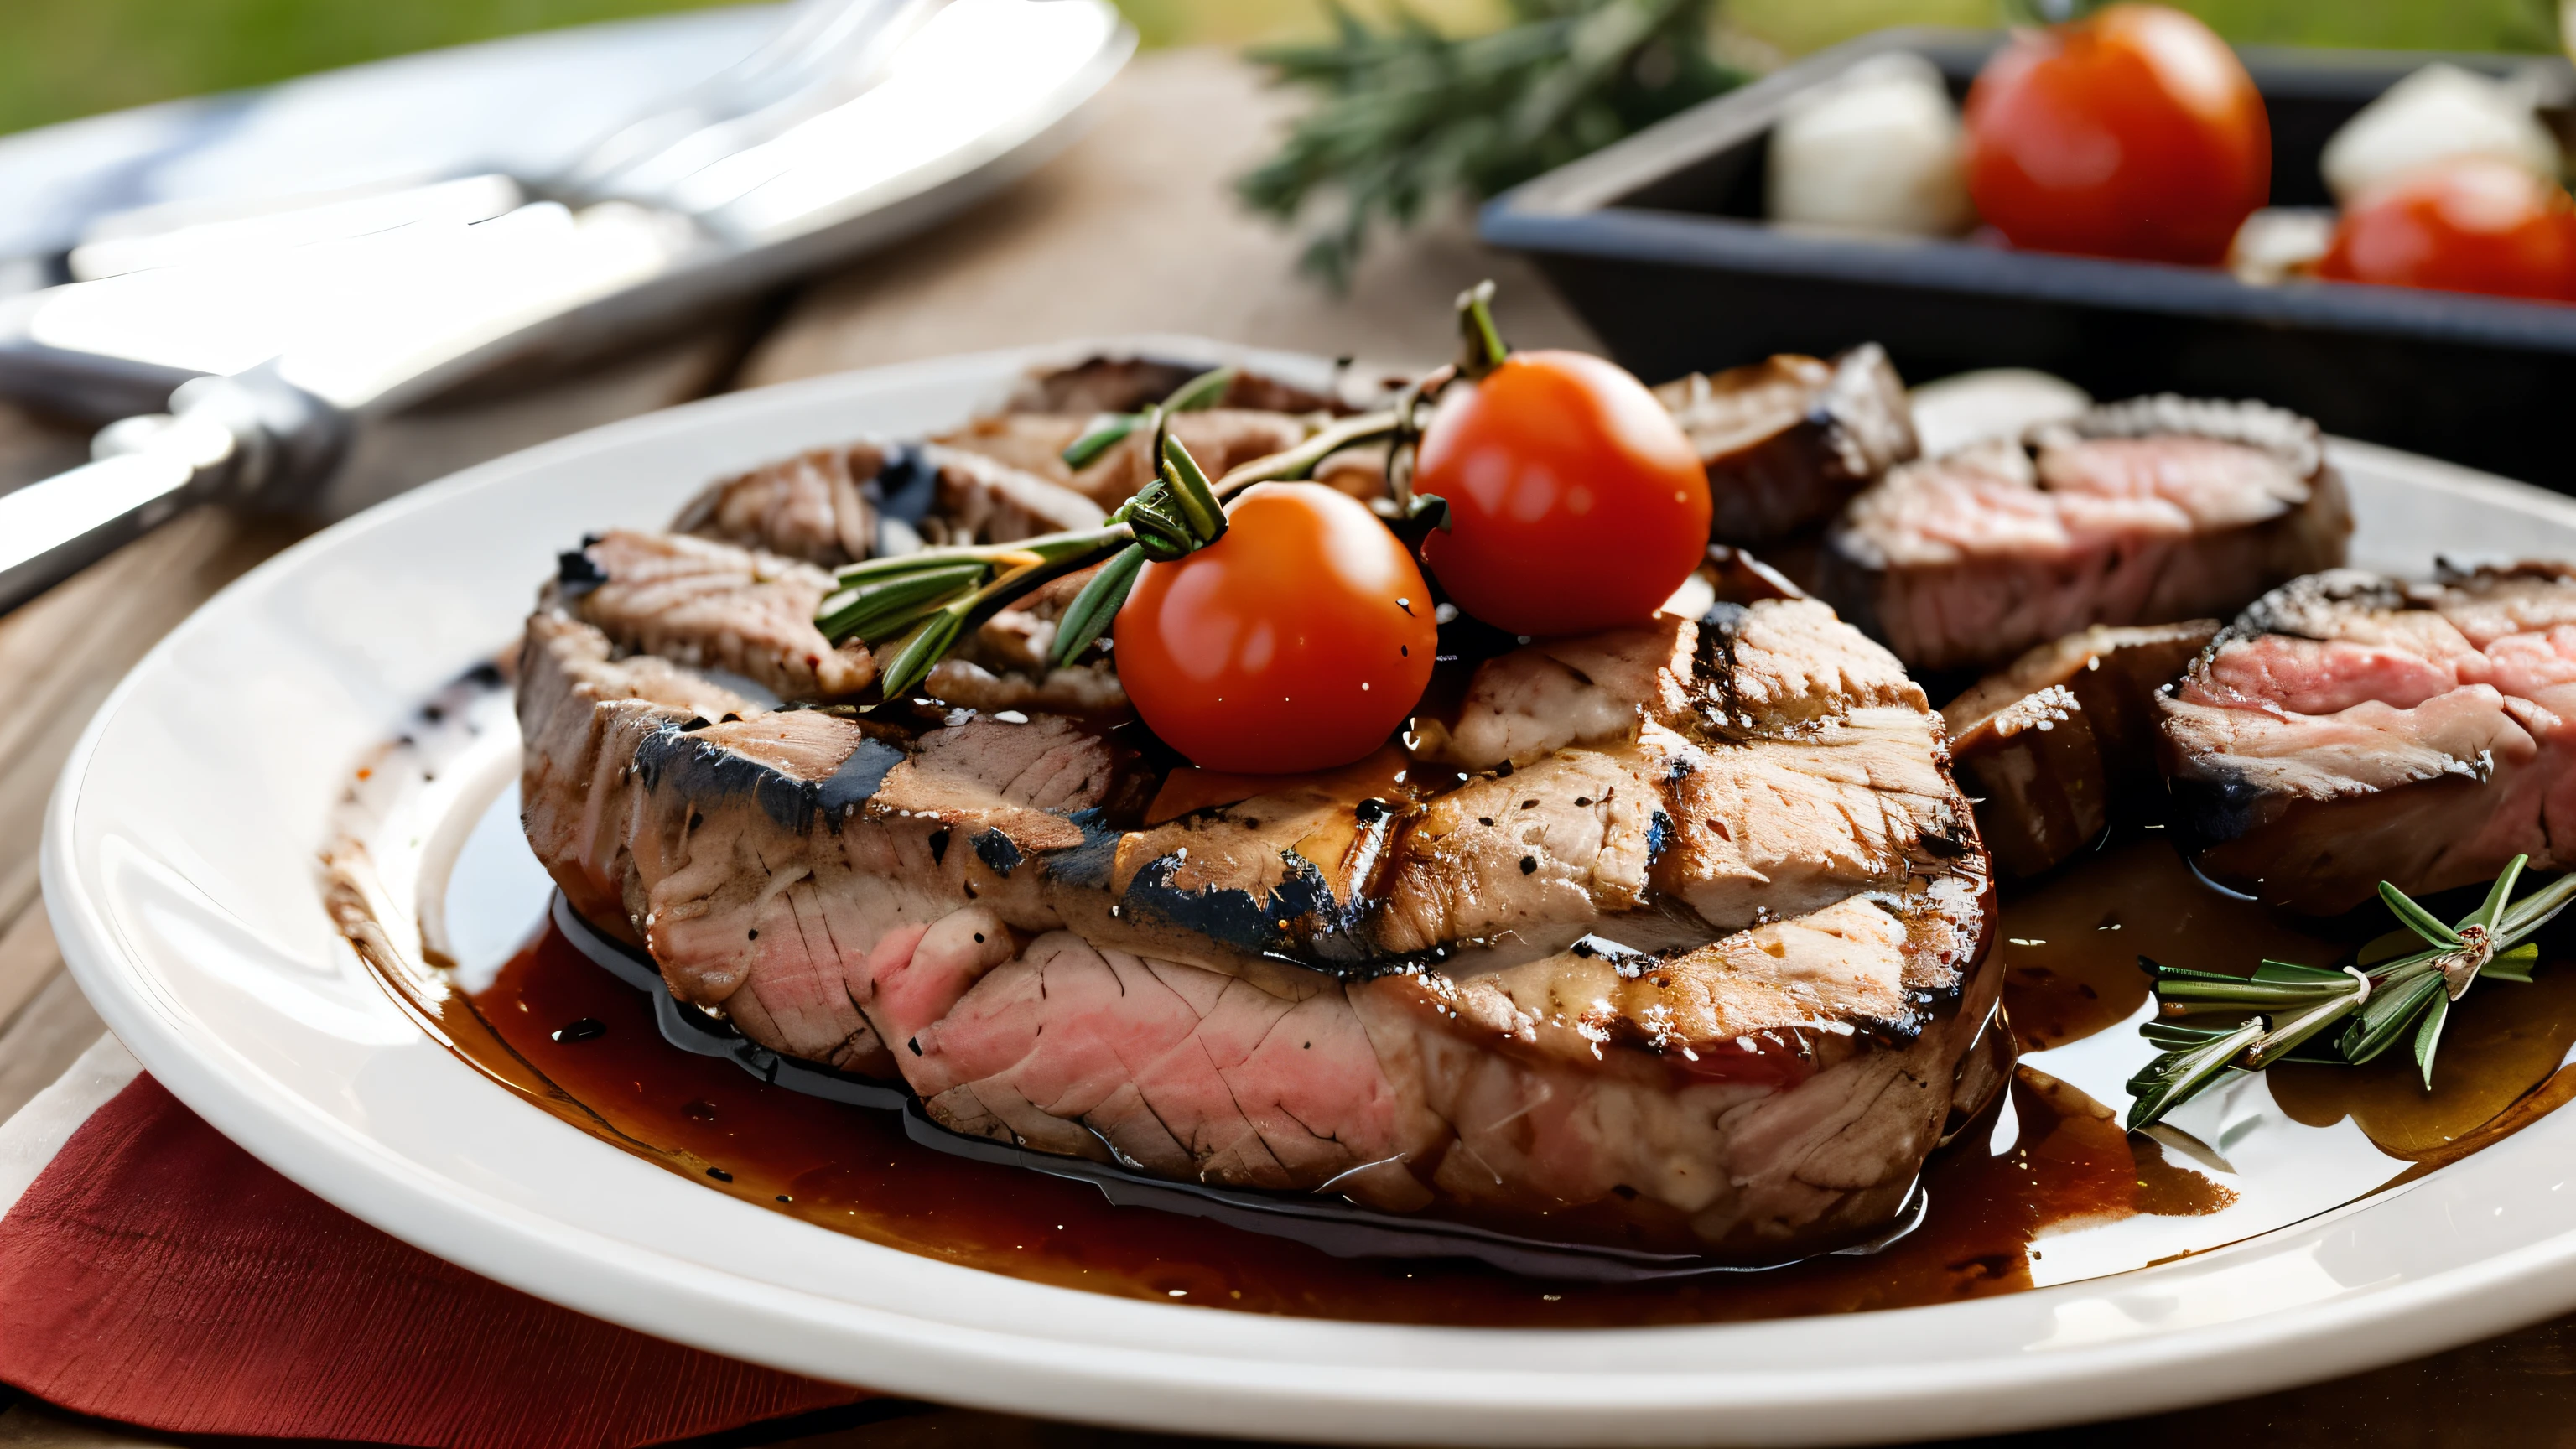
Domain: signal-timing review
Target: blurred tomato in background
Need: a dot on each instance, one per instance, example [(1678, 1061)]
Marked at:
[(2473, 225), (2132, 133)]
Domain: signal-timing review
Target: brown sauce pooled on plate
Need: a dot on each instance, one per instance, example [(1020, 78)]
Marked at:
[(563, 1032)]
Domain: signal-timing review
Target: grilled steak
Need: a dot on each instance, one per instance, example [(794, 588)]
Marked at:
[(2350, 728), (1673, 937), (2052, 747), (1789, 440), (2144, 512)]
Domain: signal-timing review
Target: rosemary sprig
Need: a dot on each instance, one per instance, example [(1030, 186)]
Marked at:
[(914, 608), (2284, 1009), (1407, 115)]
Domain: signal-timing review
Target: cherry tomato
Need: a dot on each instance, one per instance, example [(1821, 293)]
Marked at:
[(2475, 224), (1298, 641), (1575, 501), (2132, 133)]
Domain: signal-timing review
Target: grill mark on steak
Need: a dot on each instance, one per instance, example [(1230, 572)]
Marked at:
[(2350, 728), (2145, 512)]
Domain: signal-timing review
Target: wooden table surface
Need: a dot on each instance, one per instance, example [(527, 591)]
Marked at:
[(1131, 230)]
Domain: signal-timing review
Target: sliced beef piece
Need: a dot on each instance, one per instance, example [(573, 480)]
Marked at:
[(2351, 728), (833, 506), (1789, 440), (2145, 512), (1698, 974), (706, 604), (2057, 745)]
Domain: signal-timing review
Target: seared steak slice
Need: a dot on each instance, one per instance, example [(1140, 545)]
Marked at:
[(1789, 440), (1696, 972), (834, 506), (2350, 728), (2054, 746), (2145, 512)]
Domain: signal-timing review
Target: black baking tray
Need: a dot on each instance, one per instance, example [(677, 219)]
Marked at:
[(1659, 244)]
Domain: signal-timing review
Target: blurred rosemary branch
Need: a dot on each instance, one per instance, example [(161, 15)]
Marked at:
[(1406, 115)]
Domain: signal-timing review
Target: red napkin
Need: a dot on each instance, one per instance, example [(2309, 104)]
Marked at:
[(159, 1275)]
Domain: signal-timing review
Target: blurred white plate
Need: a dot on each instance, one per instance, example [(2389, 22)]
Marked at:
[(179, 871)]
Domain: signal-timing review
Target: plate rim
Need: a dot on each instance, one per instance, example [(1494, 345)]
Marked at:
[(2364, 1327)]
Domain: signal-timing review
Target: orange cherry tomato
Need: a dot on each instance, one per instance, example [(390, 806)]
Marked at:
[(2469, 225), (1298, 641), (1575, 501), (2134, 132)]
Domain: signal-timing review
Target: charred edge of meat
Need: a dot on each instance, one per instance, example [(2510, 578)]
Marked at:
[(1231, 916), (2278, 431), (997, 851), (673, 754), (577, 573), (904, 488), (2287, 609)]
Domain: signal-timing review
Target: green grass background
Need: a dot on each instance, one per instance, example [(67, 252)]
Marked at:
[(64, 58)]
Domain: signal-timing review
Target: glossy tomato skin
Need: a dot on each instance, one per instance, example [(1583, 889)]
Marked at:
[(1575, 501), (2132, 133), (1299, 641), (2470, 225)]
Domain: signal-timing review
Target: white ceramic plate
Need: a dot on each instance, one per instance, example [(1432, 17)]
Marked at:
[(180, 873)]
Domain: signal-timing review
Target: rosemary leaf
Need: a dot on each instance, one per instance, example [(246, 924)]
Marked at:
[(881, 610), (2428, 1037), (1106, 431), (2514, 965), (2167, 1035), (919, 650), (1192, 492), (2490, 912), (1201, 392), (2178, 1076), (2242, 993), (2289, 1036), (2417, 919), (1091, 612), (2293, 971), (2386, 1016), (2538, 908)]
